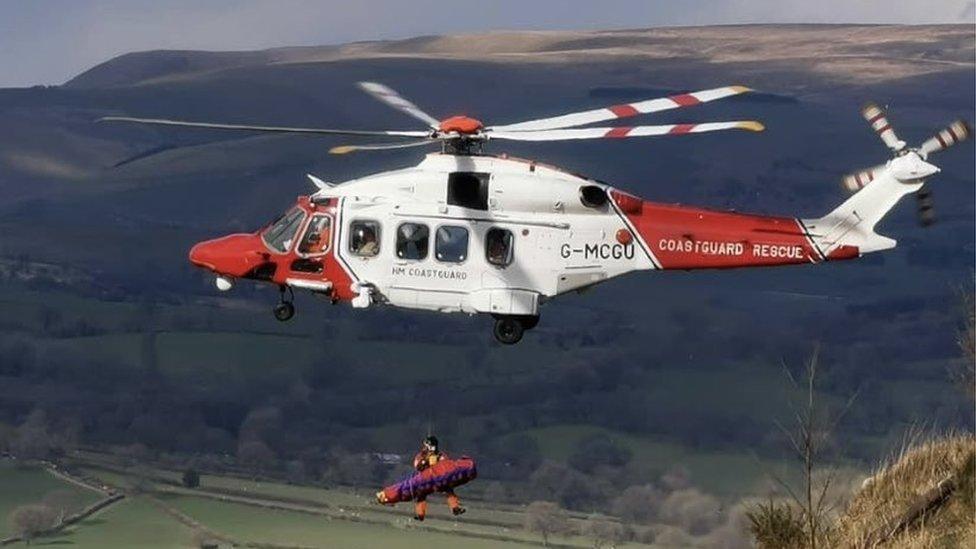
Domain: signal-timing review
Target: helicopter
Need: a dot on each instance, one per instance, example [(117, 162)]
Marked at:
[(466, 231)]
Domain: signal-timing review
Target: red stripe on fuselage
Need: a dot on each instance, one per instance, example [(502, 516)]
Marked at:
[(694, 238)]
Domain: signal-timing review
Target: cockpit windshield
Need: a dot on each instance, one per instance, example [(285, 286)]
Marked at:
[(279, 235)]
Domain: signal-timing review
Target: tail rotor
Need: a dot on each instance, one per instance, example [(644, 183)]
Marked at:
[(908, 165)]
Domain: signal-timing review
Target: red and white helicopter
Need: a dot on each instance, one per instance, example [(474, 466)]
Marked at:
[(464, 231)]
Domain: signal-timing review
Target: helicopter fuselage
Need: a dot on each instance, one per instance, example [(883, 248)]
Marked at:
[(485, 234)]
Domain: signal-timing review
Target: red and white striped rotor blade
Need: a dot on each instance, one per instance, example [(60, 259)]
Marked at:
[(392, 98), (879, 122), (858, 180), (624, 110), (956, 132), (624, 131)]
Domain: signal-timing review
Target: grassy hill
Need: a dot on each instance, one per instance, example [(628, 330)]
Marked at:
[(109, 332)]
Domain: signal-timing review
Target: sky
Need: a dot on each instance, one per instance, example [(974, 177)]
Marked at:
[(50, 41)]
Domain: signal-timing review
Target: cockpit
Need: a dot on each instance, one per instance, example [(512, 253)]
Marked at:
[(279, 235)]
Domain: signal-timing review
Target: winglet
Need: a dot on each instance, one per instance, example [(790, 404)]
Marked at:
[(751, 125)]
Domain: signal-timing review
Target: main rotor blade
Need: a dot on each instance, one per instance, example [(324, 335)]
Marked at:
[(344, 149), (392, 98), (625, 110), (275, 129), (624, 131)]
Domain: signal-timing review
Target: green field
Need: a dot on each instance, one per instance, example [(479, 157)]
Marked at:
[(133, 522), (20, 485), (266, 513)]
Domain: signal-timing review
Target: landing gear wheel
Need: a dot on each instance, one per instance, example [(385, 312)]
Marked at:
[(529, 322), (508, 330), (284, 311)]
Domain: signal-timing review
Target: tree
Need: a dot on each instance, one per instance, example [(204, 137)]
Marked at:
[(567, 486), (191, 478), (603, 532), (62, 503), (638, 504), (255, 454), (692, 510), (33, 439), (546, 519), (596, 450), (809, 440), (966, 338), (30, 521)]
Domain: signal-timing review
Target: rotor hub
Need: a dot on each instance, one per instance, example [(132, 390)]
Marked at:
[(462, 125)]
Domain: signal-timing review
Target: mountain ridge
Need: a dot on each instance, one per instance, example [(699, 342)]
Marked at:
[(853, 53)]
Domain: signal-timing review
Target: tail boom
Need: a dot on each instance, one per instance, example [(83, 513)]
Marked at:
[(679, 237)]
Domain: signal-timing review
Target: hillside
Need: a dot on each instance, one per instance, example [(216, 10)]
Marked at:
[(111, 335), (840, 53), (924, 498)]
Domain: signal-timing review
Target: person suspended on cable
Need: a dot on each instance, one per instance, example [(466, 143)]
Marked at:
[(428, 456)]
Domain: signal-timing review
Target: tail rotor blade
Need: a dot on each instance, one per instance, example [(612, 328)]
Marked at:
[(876, 117), (926, 207), (956, 132), (858, 180)]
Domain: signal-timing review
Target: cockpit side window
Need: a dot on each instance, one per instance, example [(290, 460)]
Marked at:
[(280, 234), (364, 238), (499, 247), (317, 237)]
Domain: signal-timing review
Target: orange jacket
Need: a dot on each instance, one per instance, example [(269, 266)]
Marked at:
[(425, 459)]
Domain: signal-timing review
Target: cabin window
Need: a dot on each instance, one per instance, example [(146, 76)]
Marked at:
[(593, 196), (364, 238), (280, 234), (451, 244), (412, 241), (468, 190), (317, 237), (498, 247)]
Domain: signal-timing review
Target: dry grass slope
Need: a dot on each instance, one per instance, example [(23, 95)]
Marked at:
[(889, 497)]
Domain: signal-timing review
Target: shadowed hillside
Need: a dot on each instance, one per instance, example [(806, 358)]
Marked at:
[(111, 338)]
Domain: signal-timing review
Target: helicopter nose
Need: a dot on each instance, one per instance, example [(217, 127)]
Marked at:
[(202, 255), (232, 255)]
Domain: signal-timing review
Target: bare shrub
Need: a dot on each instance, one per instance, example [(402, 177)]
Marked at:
[(774, 525), (62, 503), (546, 519), (30, 521), (638, 504), (603, 532), (696, 512)]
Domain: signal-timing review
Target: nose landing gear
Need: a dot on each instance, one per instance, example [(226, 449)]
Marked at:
[(285, 309), (510, 329)]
